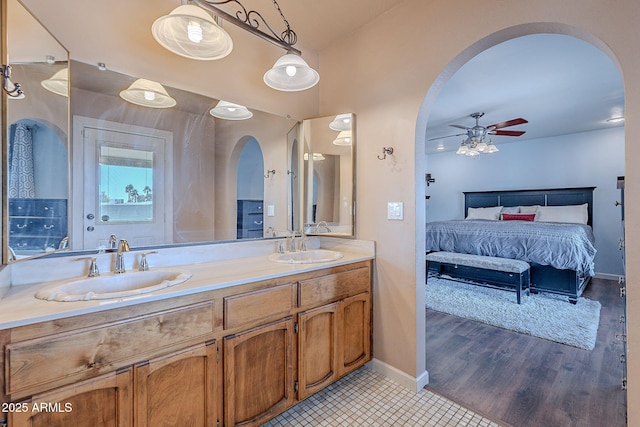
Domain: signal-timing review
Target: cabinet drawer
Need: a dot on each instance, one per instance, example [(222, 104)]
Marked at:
[(332, 287), (259, 306), (42, 363)]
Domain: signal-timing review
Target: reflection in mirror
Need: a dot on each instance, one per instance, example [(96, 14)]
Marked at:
[(329, 146), (36, 139), (176, 175)]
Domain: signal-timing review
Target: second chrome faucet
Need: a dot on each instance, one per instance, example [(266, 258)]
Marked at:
[(123, 246)]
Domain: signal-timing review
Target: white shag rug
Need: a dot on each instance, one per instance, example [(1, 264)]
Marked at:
[(542, 316)]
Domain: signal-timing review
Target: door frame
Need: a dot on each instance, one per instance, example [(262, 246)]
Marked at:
[(76, 197)]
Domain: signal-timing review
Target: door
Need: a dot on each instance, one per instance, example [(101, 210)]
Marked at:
[(126, 183), (354, 333), (317, 349), (178, 389), (258, 374), (102, 401)]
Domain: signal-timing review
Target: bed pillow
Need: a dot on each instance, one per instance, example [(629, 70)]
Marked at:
[(510, 209), (529, 209), (576, 214), (518, 217), (484, 213)]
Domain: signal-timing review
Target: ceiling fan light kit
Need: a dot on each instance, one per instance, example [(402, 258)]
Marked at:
[(476, 143)]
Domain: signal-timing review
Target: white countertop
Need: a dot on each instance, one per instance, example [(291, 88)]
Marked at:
[(19, 307)]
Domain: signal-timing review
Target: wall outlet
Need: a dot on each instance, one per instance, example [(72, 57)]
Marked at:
[(395, 211), (271, 210)]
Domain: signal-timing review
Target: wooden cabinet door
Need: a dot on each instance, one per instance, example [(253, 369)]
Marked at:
[(317, 349), (103, 401), (258, 373), (354, 330), (178, 389)]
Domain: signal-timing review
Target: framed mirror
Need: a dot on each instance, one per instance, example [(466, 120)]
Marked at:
[(329, 175), (36, 138)]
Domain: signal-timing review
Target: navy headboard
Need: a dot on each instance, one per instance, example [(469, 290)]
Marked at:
[(542, 197)]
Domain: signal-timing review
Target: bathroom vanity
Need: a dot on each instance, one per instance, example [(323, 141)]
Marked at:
[(216, 352)]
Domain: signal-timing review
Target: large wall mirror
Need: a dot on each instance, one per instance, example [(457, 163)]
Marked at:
[(102, 166), (329, 175)]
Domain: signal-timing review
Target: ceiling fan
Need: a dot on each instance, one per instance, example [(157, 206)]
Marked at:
[(478, 132)]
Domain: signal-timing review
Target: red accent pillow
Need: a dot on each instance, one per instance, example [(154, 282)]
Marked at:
[(518, 217)]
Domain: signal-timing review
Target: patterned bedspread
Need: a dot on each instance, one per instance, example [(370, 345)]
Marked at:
[(560, 245)]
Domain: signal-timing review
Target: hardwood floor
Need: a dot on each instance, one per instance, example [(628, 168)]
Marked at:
[(525, 381)]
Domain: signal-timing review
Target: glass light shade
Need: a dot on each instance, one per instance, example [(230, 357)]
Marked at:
[(58, 83), (229, 111), (491, 148), (191, 32), (291, 73), (148, 93), (481, 146), (344, 138), (341, 122), (314, 156), (463, 149)]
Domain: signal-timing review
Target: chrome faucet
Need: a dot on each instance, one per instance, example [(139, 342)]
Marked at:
[(113, 242), (93, 266), (322, 224), (123, 246), (144, 265)]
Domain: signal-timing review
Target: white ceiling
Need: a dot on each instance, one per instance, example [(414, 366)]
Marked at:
[(560, 84)]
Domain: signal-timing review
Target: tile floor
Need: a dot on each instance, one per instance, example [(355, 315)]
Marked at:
[(366, 398)]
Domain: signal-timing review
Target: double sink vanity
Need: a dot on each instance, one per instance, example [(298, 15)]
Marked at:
[(224, 334)]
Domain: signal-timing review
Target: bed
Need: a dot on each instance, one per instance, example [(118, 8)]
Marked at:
[(561, 254)]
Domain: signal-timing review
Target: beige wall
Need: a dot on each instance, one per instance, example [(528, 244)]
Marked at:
[(393, 63)]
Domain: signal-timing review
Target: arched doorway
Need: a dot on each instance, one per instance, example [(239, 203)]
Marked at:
[(457, 179), (250, 191)]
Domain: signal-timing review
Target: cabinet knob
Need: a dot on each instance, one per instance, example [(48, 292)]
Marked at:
[(90, 216)]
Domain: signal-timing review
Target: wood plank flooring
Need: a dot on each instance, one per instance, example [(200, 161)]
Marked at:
[(526, 381)]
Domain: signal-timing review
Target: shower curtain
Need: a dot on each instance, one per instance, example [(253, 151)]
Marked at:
[(21, 178)]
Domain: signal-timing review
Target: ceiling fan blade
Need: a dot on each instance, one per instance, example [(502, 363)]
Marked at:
[(506, 132), (513, 122), (446, 136), (460, 127)]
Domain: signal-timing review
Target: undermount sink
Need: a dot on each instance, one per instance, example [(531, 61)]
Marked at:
[(112, 286), (306, 257)]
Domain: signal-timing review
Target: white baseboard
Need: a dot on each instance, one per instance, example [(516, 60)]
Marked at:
[(608, 276), (404, 379)]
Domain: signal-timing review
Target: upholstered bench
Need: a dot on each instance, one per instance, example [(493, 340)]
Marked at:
[(482, 270)]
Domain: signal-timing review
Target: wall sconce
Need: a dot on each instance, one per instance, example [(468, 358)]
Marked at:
[(428, 179), (13, 90), (229, 111), (385, 151), (270, 173), (147, 93), (191, 31)]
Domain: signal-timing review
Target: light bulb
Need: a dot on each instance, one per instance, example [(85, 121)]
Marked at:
[(194, 32), (149, 96), (291, 70), (231, 109)]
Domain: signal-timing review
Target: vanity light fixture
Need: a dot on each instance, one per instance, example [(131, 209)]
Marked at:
[(341, 122), (343, 138), (191, 31), (230, 111), (58, 83), (147, 93), (13, 90)]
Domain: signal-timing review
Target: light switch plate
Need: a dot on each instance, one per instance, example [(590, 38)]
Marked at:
[(395, 211), (271, 210)]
